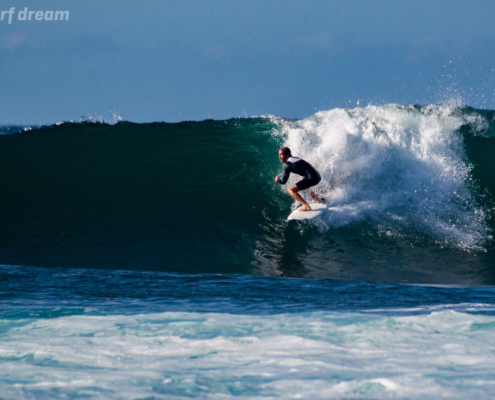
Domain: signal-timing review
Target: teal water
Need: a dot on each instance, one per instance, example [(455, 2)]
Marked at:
[(200, 197)]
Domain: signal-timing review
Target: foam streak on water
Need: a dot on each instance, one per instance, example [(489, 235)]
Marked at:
[(444, 354)]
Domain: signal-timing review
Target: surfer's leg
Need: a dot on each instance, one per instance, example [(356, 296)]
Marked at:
[(305, 184), (309, 182), (293, 192), (312, 194), (315, 197)]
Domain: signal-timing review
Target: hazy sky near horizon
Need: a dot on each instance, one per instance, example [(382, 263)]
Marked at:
[(158, 60)]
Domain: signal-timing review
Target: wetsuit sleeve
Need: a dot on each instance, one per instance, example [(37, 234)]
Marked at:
[(283, 181)]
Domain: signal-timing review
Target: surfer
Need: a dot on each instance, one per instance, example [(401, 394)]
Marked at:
[(310, 176)]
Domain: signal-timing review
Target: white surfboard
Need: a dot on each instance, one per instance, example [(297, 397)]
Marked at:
[(316, 210)]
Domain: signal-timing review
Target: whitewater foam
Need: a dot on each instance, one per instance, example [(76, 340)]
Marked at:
[(408, 169), (308, 355)]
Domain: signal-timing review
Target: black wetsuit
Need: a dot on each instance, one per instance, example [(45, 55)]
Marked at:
[(298, 166)]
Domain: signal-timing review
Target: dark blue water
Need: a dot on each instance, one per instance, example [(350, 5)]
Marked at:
[(135, 292)]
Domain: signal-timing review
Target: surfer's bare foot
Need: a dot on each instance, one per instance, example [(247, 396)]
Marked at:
[(304, 208)]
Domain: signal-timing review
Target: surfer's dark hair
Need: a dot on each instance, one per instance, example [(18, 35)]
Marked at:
[(286, 151)]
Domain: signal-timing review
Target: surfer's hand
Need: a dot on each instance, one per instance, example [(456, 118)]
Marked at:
[(276, 179)]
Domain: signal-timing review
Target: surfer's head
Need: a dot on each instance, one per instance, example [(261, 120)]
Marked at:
[(284, 154)]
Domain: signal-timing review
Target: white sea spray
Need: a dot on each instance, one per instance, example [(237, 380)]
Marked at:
[(406, 169)]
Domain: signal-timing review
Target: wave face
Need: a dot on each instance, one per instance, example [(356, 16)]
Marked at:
[(415, 206)]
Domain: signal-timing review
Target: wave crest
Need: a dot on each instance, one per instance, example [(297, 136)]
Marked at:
[(409, 171)]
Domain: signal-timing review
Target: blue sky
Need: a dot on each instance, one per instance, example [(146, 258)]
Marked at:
[(191, 60)]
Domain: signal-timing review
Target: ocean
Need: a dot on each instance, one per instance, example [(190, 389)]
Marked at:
[(155, 261)]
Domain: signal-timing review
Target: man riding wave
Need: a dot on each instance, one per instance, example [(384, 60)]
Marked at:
[(310, 177)]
